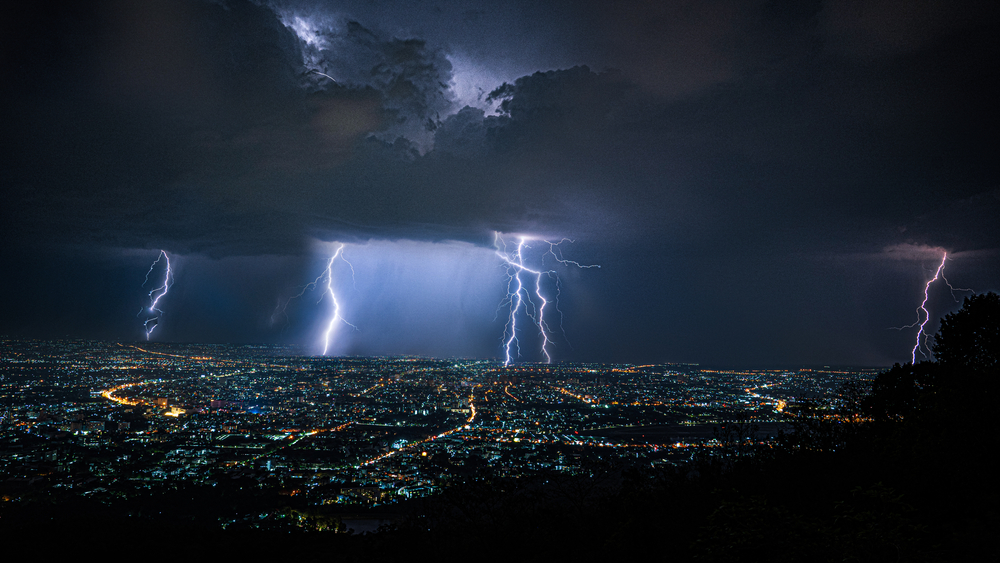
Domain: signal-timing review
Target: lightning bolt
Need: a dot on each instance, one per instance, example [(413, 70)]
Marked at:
[(327, 276), (952, 288), (312, 70), (923, 315), (921, 342), (333, 297), (156, 294), (283, 309), (522, 299)]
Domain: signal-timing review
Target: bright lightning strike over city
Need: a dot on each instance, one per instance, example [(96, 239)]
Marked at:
[(335, 308), (156, 294), (525, 294), (325, 284)]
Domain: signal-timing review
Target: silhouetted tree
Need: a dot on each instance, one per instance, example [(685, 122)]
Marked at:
[(970, 338), (899, 392)]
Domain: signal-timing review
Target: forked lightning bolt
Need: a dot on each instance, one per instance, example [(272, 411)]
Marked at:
[(328, 276), (921, 337), (521, 298), (156, 294), (333, 297), (923, 315)]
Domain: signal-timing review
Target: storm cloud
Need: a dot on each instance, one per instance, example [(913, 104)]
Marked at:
[(704, 152)]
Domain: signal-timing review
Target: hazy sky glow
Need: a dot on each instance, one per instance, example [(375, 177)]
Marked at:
[(761, 182)]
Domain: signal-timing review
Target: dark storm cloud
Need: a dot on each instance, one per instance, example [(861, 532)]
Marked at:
[(115, 106), (200, 126), (961, 225), (185, 124), (714, 152), (888, 28), (411, 76)]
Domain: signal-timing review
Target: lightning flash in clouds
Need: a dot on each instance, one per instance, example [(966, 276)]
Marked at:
[(524, 290), (923, 315), (326, 278), (156, 294), (314, 71)]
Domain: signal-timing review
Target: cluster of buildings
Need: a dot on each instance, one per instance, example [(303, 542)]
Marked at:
[(110, 420)]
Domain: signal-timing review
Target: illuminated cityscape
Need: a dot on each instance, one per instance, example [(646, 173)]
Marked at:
[(114, 420)]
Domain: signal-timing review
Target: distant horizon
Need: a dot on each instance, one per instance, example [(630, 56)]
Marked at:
[(498, 360)]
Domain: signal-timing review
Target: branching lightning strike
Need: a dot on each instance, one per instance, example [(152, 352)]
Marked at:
[(156, 294), (327, 275), (920, 343), (522, 299), (333, 297)]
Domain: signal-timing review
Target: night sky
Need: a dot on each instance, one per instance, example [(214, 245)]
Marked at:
[(762, 183)]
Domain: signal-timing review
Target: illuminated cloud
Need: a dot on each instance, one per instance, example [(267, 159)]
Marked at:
[(908, 251)]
